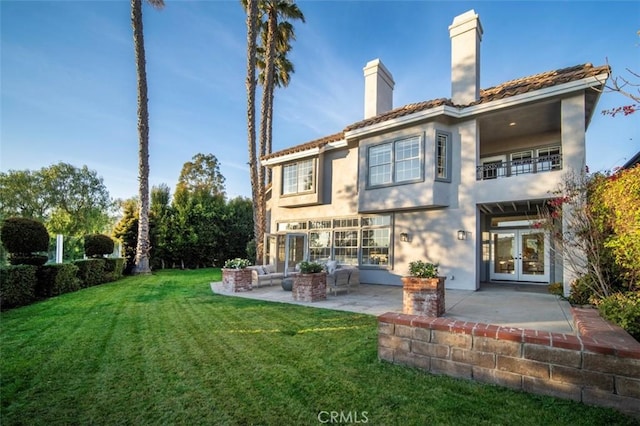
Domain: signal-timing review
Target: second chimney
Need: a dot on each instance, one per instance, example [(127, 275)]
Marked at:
[(378, 89), (466, 35)]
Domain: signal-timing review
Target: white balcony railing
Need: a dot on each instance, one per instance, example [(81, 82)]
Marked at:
[(502, 169)]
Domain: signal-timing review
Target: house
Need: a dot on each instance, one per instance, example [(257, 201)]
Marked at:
[(457, 181)]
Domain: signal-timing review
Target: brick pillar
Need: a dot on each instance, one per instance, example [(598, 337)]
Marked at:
[(423, 296), (310, 287), (236, 280)]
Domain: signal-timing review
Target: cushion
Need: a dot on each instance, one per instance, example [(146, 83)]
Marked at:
[(260, 270), (331, 266), (269, 269)]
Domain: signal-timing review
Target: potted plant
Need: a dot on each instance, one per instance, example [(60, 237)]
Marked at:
[(235, 275), (310, 285), (423, 290)]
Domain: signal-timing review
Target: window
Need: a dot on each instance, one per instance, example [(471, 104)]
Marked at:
[(521, 162), (319, 245), (375, 246), (443, 156), (346, 247), (395, 162), (549, 159), (297, 177)]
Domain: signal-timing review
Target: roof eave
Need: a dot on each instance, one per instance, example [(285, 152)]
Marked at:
[(470, 111), (304, 154)]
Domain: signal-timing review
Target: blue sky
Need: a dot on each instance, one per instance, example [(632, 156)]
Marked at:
[(68, 81)]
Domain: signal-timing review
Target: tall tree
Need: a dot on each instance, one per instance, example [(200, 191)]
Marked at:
[(202, 174), (283, 68), (277, 34), (257, 188), (143, 246)]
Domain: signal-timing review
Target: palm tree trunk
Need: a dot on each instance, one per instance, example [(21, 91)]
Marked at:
[(257, 189), (142, 248)]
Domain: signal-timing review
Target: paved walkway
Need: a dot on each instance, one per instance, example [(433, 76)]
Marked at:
[(522, 306)]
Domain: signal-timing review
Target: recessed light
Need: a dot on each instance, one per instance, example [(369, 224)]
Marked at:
[(513, 123)]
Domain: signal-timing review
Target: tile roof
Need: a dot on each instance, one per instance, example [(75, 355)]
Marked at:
[(504, 90)]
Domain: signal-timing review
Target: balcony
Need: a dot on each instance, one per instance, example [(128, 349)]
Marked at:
[(518, 166)]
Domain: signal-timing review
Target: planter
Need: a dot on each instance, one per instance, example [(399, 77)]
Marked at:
[(236, 280), (423, 296), (310, 287)]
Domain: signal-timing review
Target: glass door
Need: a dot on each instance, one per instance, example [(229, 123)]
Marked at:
[(519, 255), (503, 256), (533, 256), (295, 251)]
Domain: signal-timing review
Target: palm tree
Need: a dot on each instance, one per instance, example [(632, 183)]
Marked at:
[(257, 189), (277, 36), (283, 68), (143, 246)]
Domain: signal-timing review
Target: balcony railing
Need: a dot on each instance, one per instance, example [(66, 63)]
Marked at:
[(501, 169)]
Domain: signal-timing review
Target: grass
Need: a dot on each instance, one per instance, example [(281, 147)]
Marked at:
[(163, 349)]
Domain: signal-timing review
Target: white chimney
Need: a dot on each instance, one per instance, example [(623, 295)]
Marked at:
[(466, 35), (378, 89)]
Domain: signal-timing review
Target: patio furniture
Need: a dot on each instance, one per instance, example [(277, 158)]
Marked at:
[(265, 274), (341, 278)]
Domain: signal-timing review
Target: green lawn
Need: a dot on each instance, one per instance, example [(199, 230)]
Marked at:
[(163, 349)]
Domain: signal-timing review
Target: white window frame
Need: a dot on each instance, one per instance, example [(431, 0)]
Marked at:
[(391, 168), (300, 169), (443, 149)]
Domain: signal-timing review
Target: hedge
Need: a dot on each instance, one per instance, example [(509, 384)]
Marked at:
[(17, 285), (24, 235), (91, 271), (54, 280), (97, 245), (113, 268)]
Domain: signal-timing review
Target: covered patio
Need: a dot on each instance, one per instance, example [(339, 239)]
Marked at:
[(511, 305)]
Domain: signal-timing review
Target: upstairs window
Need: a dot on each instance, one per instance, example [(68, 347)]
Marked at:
[(395, 162), (297, 177), (443, 156)]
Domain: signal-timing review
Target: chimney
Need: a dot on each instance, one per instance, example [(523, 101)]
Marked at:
[(466, 35), (378, 89)]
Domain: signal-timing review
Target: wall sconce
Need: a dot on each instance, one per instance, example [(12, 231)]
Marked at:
[(404, 237), (462, 235)]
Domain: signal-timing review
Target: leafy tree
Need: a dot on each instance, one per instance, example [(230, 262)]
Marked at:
[(143, 246), (238, 227), (126, 230), (69, 200), (201, 175), (160, 218)]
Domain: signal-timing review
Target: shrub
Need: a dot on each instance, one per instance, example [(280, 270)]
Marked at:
[(17, 285), (28, 259), (623, 309), (582, 289), (310, 267), (113, 268), (91, 271), (97, 245), (422, 269), (54, 280), (237, 263), (556, 288), (24, 236)]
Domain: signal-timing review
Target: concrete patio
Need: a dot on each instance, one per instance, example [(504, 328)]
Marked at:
[(512, 305)]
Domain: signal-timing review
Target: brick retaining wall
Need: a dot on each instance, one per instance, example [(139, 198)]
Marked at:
[(595, 368)]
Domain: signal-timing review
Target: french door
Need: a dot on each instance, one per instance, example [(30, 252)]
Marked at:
[(519, 255)]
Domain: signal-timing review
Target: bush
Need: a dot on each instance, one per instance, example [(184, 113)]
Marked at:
[(54, 280), (91, 272), (24, 236), (237, 263), (623, 309), (581, 291), (556, 288), (311, 267), (422, 269), (97, 245), (17, 285), (28, 259), (113, 268)]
